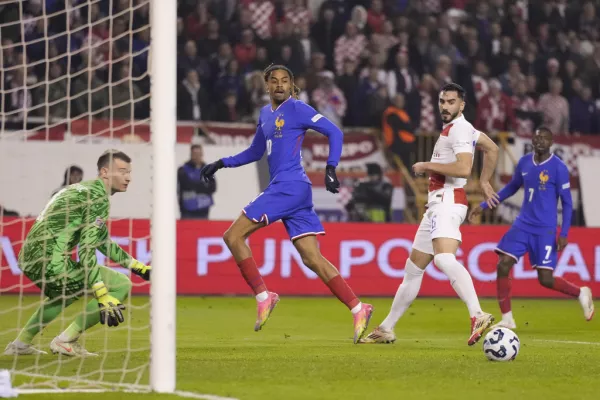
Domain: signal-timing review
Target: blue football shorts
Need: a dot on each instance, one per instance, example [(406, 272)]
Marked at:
[(540, 248), (288, 201)]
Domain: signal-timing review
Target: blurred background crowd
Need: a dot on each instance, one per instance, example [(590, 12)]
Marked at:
[(522, 62)]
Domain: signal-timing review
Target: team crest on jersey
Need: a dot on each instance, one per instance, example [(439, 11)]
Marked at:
[(544, 177), (279, 123), (99, 222)]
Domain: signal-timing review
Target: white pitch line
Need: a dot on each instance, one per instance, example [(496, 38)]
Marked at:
[(567, 342), (180, 393)]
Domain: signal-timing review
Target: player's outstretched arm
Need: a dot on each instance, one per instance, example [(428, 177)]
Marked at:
[(251, 154), (311, 119), (113, 251), (511, 188), (490, 160)]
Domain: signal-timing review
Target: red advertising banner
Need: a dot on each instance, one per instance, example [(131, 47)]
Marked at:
[(370, 257)]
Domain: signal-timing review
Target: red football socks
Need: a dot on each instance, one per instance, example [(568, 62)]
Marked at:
[(342, 291), (566, 287), (503, 288), (251, 275)]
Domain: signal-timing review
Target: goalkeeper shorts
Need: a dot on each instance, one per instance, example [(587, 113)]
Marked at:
[(67, 279)]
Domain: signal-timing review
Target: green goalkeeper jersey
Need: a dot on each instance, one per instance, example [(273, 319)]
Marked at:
[(76, 215)]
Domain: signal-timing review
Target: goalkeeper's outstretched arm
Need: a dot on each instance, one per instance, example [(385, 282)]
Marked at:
[(113, 251)]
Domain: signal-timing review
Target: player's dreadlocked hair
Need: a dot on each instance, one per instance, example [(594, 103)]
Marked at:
[(275, 67)]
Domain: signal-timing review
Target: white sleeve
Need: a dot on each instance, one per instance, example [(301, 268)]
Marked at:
[(464, 138)]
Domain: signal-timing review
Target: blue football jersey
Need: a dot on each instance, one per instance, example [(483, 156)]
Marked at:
[(280, 133), (544, 184)]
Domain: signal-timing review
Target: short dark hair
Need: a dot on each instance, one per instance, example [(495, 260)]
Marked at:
[(196, 146), (109, 155), (544, 129), (454, 87)]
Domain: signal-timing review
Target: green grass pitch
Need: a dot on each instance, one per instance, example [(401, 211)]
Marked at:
[(305, 351)]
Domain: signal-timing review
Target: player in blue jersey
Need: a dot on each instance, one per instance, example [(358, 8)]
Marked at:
[(288, 197), (545, 179)]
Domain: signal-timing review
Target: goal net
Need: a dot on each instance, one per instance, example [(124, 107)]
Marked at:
[(74, 82)]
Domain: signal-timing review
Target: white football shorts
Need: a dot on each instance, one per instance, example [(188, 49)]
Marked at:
[(441, 220)]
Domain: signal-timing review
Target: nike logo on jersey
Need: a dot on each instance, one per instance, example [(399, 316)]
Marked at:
[(546, 261), (524, 173)]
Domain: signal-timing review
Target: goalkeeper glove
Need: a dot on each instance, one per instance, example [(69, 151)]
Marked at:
[(331, 181), (140, 269), (209, 170), (110, 307)]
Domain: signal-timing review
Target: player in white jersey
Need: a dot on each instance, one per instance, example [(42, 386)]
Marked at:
[(438, 236)]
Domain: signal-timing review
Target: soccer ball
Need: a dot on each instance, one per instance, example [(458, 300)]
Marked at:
[(501, 344)]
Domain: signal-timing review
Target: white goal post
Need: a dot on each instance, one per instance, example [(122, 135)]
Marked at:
[(43, 92), (163, 58)]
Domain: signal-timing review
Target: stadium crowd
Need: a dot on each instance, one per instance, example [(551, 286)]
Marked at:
[(523, 62)]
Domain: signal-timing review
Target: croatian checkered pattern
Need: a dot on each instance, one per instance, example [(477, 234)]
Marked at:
[(347, 48), (427, 123), (263, 16)]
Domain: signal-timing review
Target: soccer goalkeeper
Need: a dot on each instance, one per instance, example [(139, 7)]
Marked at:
[(77, 215)]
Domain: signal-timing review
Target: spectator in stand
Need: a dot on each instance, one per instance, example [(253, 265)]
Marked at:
[(245, 50), (300, 82), (195, 23), (326, 32), (261, 62), (480, 80), (193, 101), (328, 99), (308, 44), (349, 46), (428, 120), (228, 109), (495, 111), (376, 17), (555, 109), (368, 86), (444, 47), (317, 65), (583, 114), (194, 193), (263, 17), (385, 39), (348, 83), (126, 95), (191, 60), (73, 174), (297, 13), (526, 114), (512, 77), (257, 95), (398, 131), (230, 82)]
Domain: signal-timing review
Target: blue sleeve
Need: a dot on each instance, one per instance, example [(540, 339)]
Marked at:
[(309, 118), (563, 186), (251, 154), (511, 188)]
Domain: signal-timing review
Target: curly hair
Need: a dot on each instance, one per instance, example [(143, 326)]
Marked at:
[(274, 67)]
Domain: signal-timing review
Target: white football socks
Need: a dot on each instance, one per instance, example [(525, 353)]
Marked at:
[(262, 296), (407, 292), (461, 281)]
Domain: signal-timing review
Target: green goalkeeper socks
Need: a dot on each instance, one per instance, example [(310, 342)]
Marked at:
[(46, 313)]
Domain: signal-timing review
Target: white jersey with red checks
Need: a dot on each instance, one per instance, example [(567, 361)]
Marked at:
[(458, 136)]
